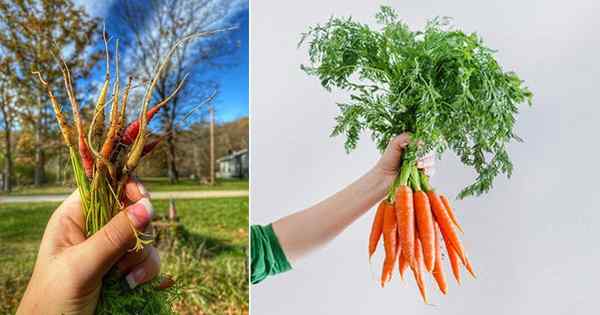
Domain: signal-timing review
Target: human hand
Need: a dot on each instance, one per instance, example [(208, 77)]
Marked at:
[(68, 273), (389, 163)]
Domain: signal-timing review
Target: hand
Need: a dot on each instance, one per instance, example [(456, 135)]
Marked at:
[(68, 272), (389, 163)]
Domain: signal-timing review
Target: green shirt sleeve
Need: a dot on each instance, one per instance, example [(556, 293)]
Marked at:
[(266, 256)]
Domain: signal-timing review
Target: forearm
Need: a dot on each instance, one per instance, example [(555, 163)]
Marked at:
[(306, 230)]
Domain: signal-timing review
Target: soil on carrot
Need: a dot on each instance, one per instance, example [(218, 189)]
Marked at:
[(152, 183), (209, 264)]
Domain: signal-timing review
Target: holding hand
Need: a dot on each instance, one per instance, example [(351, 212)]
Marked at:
[(389, 163), (69, 269)]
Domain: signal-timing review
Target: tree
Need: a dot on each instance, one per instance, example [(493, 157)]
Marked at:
[(8, 113), (154, 27), (31, 31)]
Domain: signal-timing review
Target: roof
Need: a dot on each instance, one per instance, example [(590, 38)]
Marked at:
[(233, 155)]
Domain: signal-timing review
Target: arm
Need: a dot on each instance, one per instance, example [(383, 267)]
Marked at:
[(309, 229)]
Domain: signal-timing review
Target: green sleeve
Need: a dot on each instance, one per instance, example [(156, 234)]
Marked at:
[(266, 256)]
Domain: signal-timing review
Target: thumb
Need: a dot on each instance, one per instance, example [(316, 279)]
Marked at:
[(103, 249)]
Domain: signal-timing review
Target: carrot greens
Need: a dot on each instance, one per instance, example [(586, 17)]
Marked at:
[(441, 84)]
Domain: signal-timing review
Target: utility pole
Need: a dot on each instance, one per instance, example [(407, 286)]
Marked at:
[(211, 110)]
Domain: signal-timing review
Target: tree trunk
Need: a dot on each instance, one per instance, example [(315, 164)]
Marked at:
[(8, 165), (38, 177), (197, 164), (171, 163)]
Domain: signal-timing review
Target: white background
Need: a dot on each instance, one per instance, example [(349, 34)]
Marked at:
[(533, 239)]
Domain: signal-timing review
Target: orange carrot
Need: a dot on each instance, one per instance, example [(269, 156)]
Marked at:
[(389, 243), (453, 256), (376, 228), (406, 222), (470, 268), (416, 269), (445, 223), (424, 220), (450, 211), (402, 263), (438, 271)]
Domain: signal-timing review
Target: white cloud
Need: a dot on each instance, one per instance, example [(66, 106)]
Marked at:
[(95, 8)]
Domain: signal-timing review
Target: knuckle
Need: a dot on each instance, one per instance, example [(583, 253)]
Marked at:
[(114, 237)]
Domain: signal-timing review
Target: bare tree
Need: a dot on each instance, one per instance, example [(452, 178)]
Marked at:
[(154, 26)]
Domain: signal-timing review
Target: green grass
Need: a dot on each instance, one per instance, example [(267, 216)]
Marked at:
[(209, 262), (152, 183)]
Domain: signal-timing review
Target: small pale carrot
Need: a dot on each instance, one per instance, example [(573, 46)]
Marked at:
[(450, 211), (438, 271), (390, 233), (445, 223), (405, 215), (376, 228)]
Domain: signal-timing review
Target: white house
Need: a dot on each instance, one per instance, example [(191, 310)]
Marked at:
[(234, 165)]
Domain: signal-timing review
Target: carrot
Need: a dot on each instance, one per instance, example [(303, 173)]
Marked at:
[(132, 130), (406, 222), (450, 211), (389, 242), (438, 271), (148, 147), (416, 269), (402, 263), (470, 268), (442, 218), (424, 219), (87, 159), (453, 260), (376, 228)]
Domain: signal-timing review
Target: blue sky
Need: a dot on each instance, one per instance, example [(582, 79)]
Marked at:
[(232, 100)]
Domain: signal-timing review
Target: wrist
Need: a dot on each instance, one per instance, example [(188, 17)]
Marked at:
[(382, 180)]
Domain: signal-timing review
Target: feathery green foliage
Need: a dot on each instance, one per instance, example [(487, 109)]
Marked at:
[(440, 84)]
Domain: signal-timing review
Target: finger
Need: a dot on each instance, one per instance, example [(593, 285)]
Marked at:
[(132, 259), (134, 191), (146, 270), (430, 171), (425, 163), (400, 141), (112, 241), (70, 208)]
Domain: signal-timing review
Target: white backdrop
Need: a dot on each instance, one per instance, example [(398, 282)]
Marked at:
[(533, 239)]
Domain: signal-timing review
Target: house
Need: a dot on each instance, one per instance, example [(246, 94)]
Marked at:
[(234, 165)]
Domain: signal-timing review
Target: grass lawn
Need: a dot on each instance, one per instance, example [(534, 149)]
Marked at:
[(210, 265), (152, 183)]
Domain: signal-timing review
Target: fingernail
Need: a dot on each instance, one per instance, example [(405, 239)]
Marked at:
[(140, 213), (135, 277)]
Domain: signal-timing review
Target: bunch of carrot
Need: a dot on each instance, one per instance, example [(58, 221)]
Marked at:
[(414, 220), (104, 154)]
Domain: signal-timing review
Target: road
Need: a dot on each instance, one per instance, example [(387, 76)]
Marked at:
[(154, 195)]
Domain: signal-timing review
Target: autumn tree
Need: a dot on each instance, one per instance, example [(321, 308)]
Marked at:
[(154, 26), (32, 32), (8, 114)]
